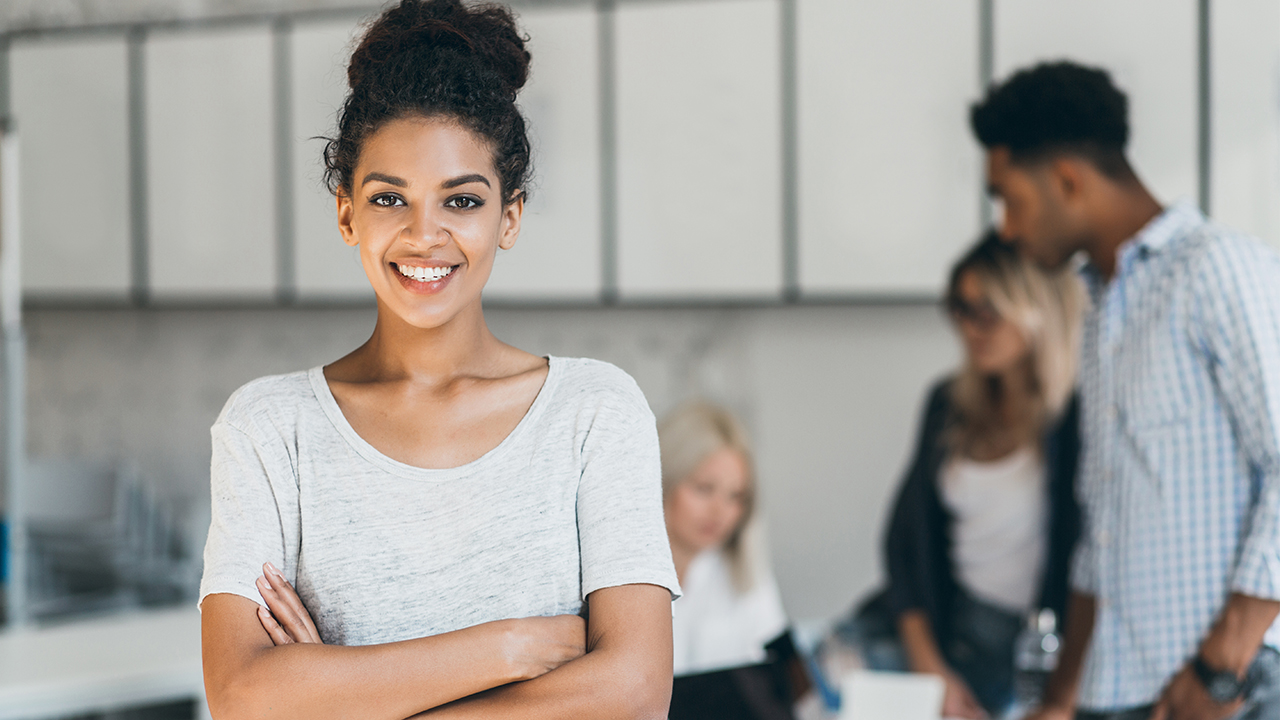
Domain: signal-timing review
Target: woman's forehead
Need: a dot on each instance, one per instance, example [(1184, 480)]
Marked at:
[(418, 148)]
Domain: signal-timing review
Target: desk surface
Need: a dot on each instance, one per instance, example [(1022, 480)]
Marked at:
[(106, 663)]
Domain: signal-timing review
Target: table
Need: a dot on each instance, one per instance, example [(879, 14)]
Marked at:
[(102, 664)]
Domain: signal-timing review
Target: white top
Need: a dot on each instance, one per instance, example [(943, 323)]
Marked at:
[(380, 551), (715, 625), (999, 537)]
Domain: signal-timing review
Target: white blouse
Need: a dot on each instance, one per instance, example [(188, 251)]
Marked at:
[(999, 538), (715, 625)]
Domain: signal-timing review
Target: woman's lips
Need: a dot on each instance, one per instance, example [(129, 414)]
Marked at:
[(424, 279)]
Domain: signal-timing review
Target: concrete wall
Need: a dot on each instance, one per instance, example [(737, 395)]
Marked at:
[(830, 393)]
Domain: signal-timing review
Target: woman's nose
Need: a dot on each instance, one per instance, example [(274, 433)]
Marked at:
[(425, 231)]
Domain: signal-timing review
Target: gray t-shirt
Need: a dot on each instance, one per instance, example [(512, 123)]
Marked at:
[(380, 551)]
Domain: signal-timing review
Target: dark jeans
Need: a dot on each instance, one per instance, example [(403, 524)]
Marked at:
[(980, 649), (1263, 702)]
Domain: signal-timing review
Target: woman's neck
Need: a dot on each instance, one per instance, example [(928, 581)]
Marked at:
[(1010, 425), (1017, 393), (398, 351)]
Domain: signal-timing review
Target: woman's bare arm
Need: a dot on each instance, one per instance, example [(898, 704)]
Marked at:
[(924, 656), (626, 672), (248, 676)]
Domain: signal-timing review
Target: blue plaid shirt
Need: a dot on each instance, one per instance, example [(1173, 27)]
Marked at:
[(1180, 478)]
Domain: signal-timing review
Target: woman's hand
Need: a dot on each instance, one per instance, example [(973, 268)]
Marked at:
[(285, 618), (535, 646), (958, 700), (531, 646), (1050, 712)]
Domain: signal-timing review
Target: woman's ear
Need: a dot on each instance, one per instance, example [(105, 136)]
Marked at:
[(345, 210), (511, 216)]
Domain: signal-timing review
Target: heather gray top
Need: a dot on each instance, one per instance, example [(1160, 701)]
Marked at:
[(379, 551)]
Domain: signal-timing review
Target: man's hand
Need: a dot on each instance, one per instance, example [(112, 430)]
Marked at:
[(1185, 698)]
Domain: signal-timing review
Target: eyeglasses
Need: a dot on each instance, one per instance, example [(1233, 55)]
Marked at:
[(981, 315)]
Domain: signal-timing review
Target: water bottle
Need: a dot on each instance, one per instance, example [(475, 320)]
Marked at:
[(1035, 657)]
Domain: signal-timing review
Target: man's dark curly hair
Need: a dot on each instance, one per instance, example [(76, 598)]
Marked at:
[(1056, 108), (437, 59)]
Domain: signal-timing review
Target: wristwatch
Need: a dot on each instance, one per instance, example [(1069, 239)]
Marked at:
[(1223, 686)]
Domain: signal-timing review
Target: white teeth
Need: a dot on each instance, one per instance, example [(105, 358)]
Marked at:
[(424, 274)]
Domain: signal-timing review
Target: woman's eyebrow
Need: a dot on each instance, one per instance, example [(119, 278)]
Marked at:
[(388, 179), (463, 180)]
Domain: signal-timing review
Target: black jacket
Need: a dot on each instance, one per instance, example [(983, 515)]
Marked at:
[(917, 543)]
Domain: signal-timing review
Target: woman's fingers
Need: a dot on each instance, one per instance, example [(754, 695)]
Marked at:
[(290, 596), (281, 601), (274, 631), (286, 607), (275, 607)]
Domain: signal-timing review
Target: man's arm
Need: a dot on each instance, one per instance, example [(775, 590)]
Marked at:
[(248, 676), (626, 672), (1231, 645), (1238, 303), (1236, 308), (1060, 693), (1237, 635)]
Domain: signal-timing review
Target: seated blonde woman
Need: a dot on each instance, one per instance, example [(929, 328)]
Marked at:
[(731, 606)]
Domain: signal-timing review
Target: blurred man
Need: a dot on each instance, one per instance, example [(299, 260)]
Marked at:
[(1177, 577)]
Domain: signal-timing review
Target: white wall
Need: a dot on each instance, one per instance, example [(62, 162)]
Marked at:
[(831, 395)]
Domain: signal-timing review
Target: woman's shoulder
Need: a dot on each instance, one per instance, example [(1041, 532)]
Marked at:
[(939, 396), (599, 373), (588, 382), (268, 399)]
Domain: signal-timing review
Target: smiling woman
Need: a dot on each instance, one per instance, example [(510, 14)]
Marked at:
[(732, 607), (427, 521)]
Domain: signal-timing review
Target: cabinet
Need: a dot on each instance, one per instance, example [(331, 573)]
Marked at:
[(211, 196), (70, 101), (1245, 111), (558, 254), (325, 267), (890, 178), (699, 133)]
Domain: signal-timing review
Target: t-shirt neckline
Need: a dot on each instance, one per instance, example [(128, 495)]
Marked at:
[(329, 404)]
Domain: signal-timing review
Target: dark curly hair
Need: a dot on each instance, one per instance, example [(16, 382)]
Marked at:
[(437, 58), (1053, 108)]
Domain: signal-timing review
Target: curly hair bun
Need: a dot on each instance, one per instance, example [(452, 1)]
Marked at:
[(487, 32), (437, 58)]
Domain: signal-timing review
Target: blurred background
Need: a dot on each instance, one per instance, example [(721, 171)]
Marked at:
[(751, 201)]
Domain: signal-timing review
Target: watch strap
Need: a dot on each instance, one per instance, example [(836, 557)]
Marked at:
[(1223, 686)]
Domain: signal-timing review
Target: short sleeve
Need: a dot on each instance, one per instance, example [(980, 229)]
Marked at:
[(255, 517), (621, 531)]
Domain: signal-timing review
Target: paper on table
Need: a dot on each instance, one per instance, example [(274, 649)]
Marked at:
[(872, 695)]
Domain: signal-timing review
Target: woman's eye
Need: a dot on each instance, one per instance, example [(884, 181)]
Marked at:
[(386, 200), (463, 202)]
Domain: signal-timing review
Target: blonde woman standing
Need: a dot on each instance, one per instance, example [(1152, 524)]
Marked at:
[(986, 519), (731, 607)]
